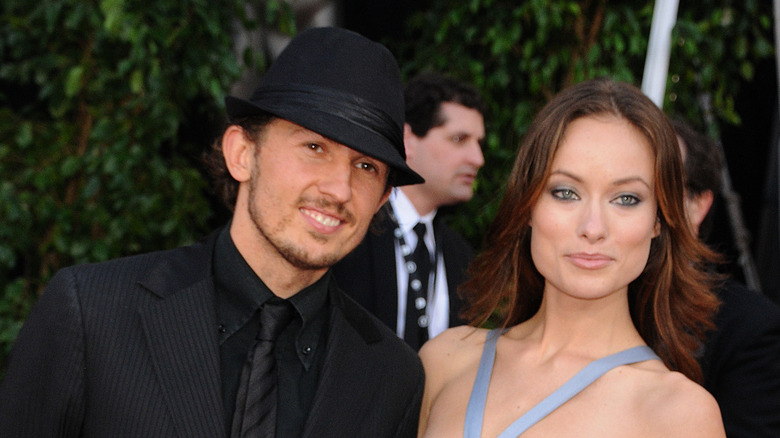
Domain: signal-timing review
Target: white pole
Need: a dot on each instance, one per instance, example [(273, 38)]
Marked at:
[(658, 50)]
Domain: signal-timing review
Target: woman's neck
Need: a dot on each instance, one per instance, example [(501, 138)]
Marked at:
[(585, 327)]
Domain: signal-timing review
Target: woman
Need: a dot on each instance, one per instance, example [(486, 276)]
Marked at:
[(588, 262)]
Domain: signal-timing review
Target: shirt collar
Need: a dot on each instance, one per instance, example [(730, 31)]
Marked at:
[(243, 292), (406, 214)]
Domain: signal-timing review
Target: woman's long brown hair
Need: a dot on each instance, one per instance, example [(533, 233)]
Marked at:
[(671, 302)]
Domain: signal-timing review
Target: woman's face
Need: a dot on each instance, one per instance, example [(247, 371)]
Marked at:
[(591, 229)]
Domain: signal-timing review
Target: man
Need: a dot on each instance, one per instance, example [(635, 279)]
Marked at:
[(443, 133), (741, 360), (177, 343)]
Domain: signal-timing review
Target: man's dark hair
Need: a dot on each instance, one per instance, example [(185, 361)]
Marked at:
[(703, 160), (225, 187), (703, 166), (424, 95)]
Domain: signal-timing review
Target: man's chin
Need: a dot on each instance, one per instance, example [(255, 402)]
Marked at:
[(462, 196), (312, 263), (304, 258)]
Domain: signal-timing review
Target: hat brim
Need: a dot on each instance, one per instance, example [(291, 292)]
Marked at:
[(334, 126)]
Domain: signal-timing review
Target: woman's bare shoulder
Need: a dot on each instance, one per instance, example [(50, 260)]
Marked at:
[(447, 359), (460, 335), (453, 342), (681, 407), (453, 351)]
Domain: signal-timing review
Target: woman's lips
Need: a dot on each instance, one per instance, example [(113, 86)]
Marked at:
[(589, 261)]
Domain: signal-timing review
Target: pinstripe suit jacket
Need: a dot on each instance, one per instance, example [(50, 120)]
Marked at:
[(129, 348)]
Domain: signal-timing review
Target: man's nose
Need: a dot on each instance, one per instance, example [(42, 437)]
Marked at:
[(336, 182)]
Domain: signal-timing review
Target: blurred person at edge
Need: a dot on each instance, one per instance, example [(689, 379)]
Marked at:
[(741, 359)]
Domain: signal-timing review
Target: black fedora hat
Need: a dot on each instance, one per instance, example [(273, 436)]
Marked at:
[(341, 85)]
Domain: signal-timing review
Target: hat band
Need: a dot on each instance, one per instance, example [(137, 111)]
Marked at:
[(348, 107)]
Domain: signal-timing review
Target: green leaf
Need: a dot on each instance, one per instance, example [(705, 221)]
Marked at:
[(73, 81), (24, 136), (112, 9), (70, 166), (137, 81), (747, 71)]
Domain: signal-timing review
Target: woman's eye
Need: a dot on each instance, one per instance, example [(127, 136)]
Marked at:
[(564, 194), (627, 200)]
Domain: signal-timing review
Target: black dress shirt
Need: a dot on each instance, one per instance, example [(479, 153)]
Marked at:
[(299, 349)]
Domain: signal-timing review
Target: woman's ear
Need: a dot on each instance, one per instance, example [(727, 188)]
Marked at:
[(238, 151)]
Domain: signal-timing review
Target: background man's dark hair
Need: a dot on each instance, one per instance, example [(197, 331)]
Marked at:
[(703, 166), (703, 163), (424, 95)]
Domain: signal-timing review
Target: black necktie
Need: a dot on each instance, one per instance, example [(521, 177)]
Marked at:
[(255, 414), (419, 269)]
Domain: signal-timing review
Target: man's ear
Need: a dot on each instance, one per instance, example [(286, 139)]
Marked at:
[(384, 199), (238, 151), (697, 207)]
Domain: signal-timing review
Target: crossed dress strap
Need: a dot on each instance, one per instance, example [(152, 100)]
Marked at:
[(476, 407)]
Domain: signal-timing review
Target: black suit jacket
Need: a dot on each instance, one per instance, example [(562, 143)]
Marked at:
[(741, 363), (129, 348), (368, 274)]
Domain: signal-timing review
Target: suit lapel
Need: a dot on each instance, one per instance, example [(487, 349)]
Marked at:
[(384, 273), (341, 384), (180, 329)]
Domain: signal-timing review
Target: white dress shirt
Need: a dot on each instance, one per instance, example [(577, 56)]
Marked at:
[(438, 308)]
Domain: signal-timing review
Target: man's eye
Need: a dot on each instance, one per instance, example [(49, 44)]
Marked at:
[(314, 147), (367, 166)]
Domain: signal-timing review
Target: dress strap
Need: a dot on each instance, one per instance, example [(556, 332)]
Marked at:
[(580, 381), (475, 411), (573, 386)]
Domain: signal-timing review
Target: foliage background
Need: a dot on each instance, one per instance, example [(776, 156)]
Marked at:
[(106, 105)]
